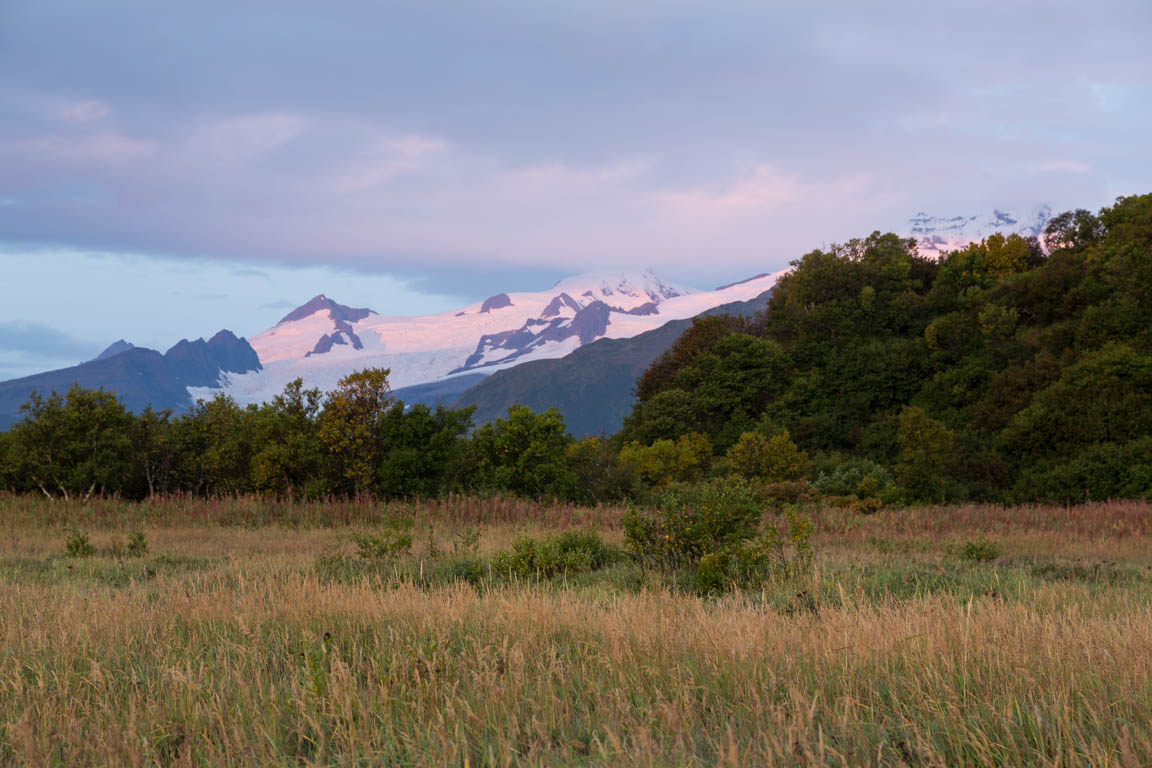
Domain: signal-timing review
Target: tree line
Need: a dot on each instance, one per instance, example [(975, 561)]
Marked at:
[(1004, 371)]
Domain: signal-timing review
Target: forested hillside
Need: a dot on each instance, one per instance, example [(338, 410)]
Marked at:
[(1004, 371), (997, 372)]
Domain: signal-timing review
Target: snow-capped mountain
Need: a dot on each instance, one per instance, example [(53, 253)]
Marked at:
[(321, 341), (937, 234)]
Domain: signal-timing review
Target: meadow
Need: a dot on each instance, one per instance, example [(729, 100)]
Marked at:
[(249, 632)]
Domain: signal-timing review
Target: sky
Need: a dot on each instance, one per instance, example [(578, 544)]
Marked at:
[(168, 169)]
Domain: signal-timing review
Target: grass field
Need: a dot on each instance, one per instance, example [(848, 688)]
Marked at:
[(254, 633)]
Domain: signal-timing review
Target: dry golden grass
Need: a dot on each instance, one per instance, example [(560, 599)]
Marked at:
[(232, 646)]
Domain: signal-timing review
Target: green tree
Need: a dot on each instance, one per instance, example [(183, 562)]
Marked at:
[(75, 445), (771, 459), (926, 448), (421, 448), (1104, 398), (8, 474), (686, 459), (289, 456), (1004, 256), (156, 452), (352, 427), (214, 442), (596, 471), (524, 454), (720, 390)]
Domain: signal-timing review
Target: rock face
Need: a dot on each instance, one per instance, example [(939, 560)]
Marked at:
[(141, 377), (558, 304), (499, 301), (320, 303), (199, 363)]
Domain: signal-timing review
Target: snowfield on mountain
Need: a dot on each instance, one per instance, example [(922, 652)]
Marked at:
[(322, 340)]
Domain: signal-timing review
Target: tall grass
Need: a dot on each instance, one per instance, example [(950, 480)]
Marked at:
[(256, 511), (228, 646)]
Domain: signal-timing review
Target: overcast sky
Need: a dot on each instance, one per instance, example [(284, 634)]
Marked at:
[(167, 169)]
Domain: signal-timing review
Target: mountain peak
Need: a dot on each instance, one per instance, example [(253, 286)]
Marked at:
[(115, 348), (633, 283), (319, 303)]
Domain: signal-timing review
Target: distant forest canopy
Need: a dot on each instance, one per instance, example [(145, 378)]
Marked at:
[(1002, 372)]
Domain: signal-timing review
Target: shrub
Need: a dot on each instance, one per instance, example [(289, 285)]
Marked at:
[(980, 551), (78, 544), (466, 542), (393, 540), (137, 544), (788, 492), (460, 569), (568, 552), (751, 563), (690, 521), (861, 478)]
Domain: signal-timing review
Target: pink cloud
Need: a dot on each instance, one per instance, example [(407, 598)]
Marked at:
[(764, 191), (79, 112)]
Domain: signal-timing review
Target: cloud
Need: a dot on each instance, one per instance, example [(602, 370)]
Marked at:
[(761, 193), (238, 139), (86, 111), (282, 304), (81, 154), (41, 341), (1065, 166), (258, 274), (202, 296), (439, 140)]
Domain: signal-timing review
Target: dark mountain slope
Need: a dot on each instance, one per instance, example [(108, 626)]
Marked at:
[(140, 377), (443, 392), (592, 386)]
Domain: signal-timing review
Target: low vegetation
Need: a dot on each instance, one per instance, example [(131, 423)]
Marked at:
[(495, 632)]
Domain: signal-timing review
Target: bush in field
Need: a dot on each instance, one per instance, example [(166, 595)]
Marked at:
[(980, 551), (568, 552), (690, 521), (78, 544), (713, 530), (777, 495), (749, 564), (392, 540), (137, 544), (862, 478)]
